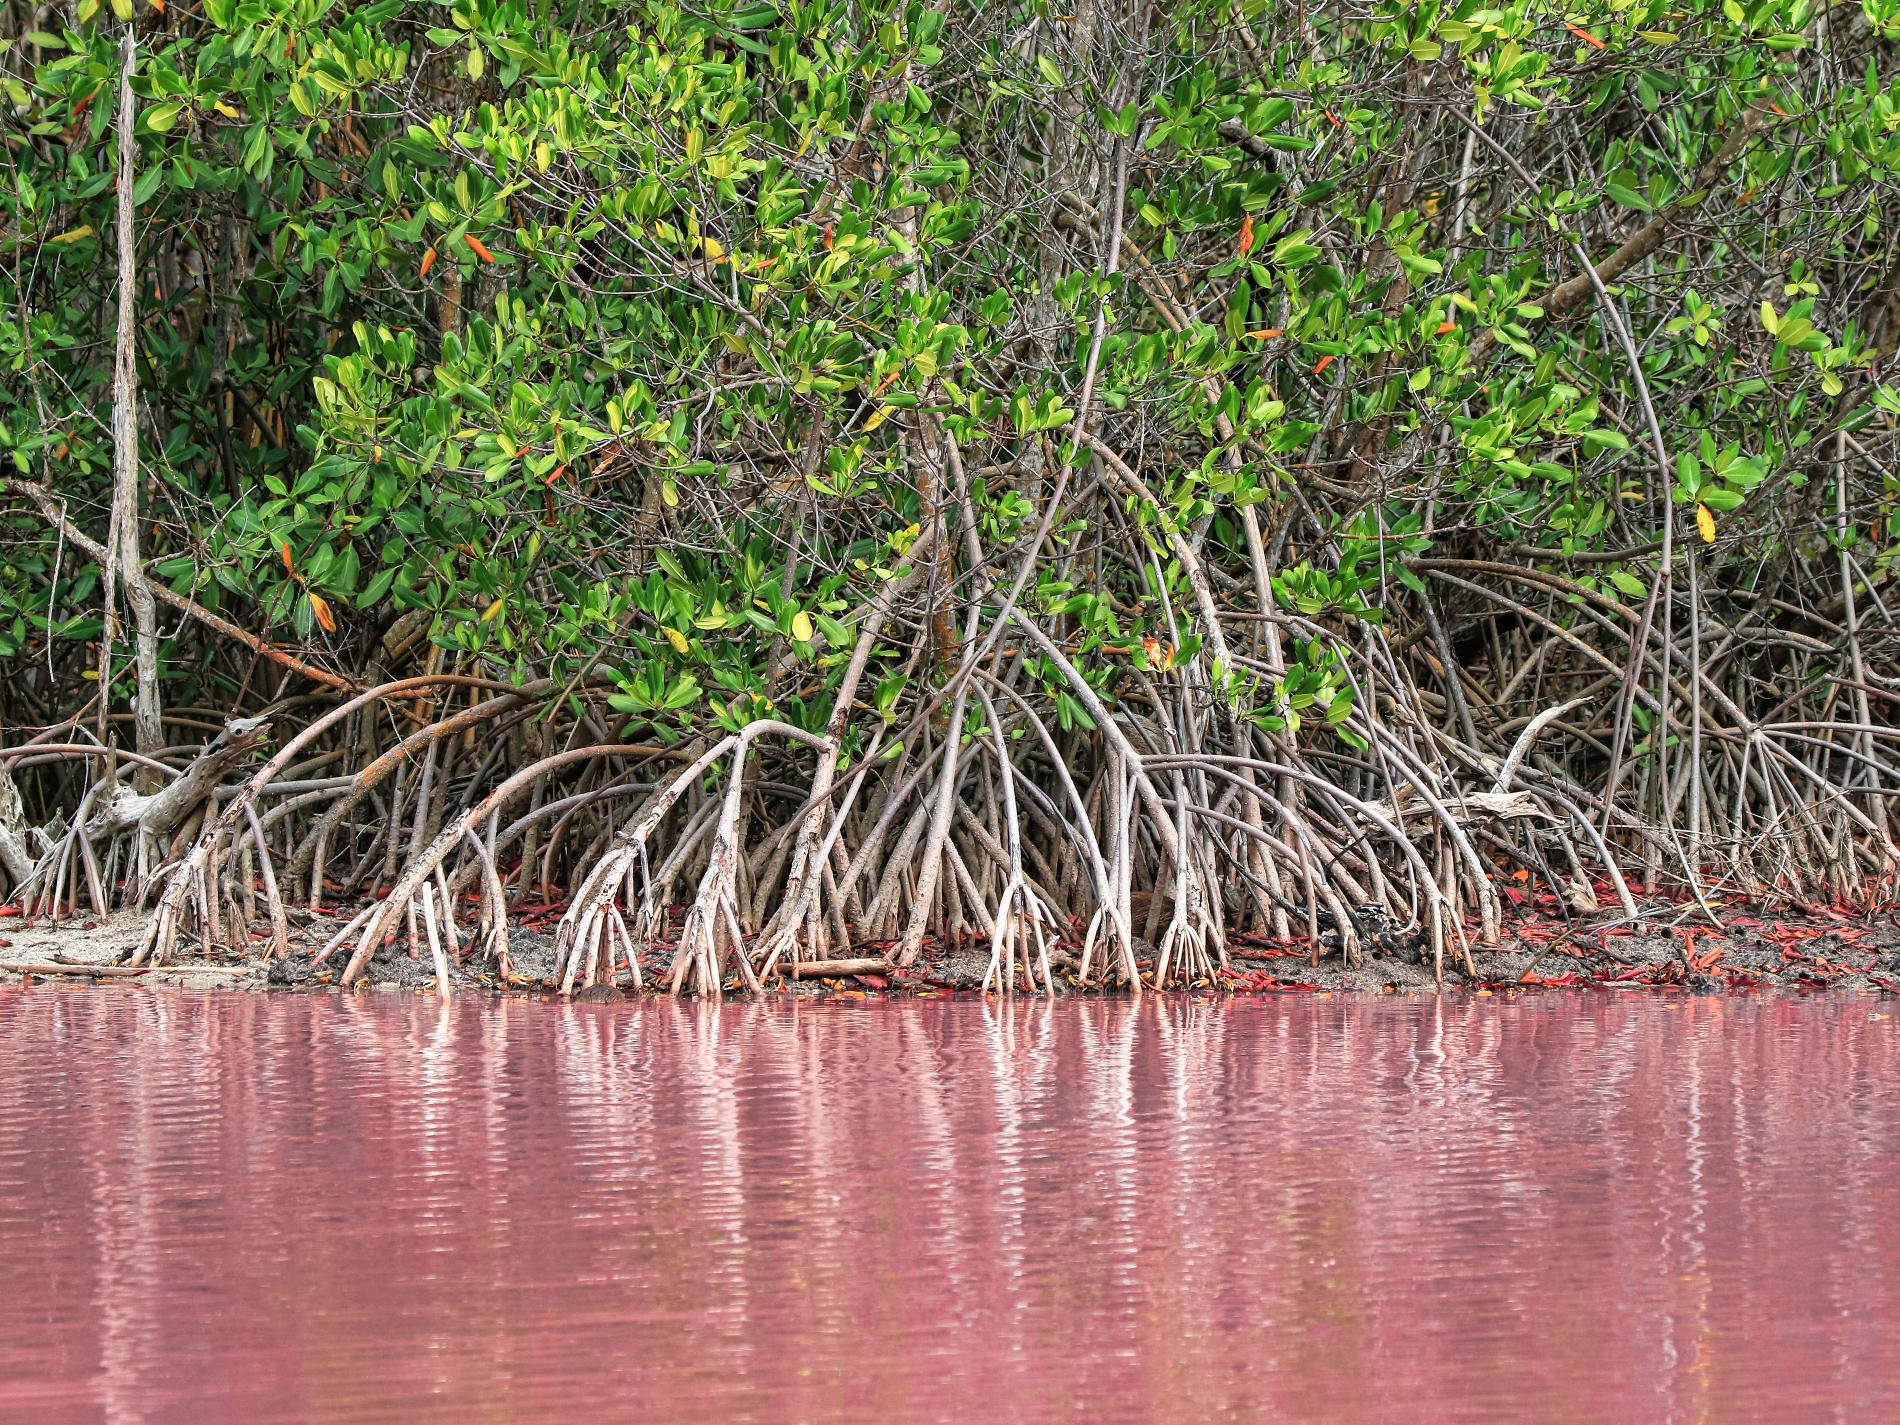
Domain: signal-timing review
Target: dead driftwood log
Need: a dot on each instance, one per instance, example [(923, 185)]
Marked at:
[(77, 971)]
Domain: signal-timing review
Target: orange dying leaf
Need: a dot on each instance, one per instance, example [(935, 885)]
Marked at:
[(475, 246), (1777, 108), (1246, 234), (321, 608), (1267, 333), (884, 385), (289, 568), (1331, 117), (1324, 362), (1444, 327), (1588, 38), (830, 232), (556, 473), (428, 261)]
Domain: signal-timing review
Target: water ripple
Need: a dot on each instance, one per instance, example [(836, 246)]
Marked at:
[(1588, 1207)]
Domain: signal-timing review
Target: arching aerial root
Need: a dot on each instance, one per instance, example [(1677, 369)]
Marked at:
[(1129, 856)]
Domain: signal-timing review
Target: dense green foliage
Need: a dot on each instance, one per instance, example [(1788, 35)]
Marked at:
[(634, 343)]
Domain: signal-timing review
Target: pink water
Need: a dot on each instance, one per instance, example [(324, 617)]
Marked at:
[(1572, 1207)]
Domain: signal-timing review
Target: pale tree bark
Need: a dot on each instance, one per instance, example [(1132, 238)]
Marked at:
[(122, 542)]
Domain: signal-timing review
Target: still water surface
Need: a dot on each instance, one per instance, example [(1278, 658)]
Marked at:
[(328, 1209)]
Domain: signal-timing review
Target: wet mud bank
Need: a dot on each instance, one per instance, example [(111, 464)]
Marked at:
[(1671, 945)]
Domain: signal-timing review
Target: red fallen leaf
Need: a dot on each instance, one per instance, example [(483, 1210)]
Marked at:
[(1324, 362), (1588, 38), (6, 910), (876, 982)]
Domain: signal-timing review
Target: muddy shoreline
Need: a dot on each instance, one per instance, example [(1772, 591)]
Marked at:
[(1756, 948)]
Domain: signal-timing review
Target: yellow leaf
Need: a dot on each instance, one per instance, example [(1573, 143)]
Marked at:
[(801, 627), (489, 613), (1705, 522), (321, 608), (72, 234), (877, 418), (715, 252), (676, 638), (230, 111)]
